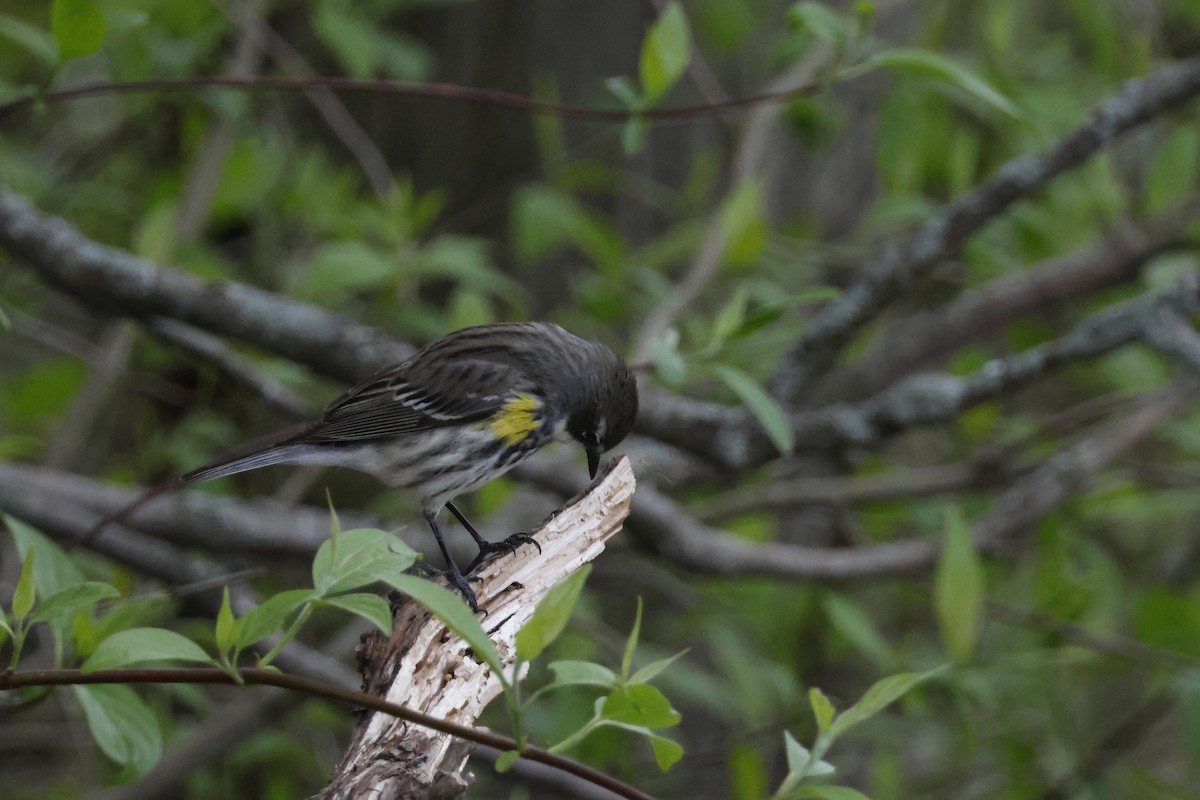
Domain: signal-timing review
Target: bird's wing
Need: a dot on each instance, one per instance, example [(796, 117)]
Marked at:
[(420, 394)]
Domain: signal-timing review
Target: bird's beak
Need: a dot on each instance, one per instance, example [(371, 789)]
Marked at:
[(593, 455)]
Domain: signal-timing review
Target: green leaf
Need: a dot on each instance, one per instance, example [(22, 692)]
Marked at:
[(122, 724), (831, 793), (1172, 174), (817, 19), (466, 261), (881, 694), (632, 641), (24, 593), (78, 27), (633, 135), (730, 318), (506, 759), (36, 397), (359, 558), (68, 601), (797, 754), (667, 752), (639, 704), (353, 38), (958, 590), (454, 614), (855, 626), (650, 671), (34, 40), (744, 223), (928, 63), (822, 708), (665, 52), (551, 616), (764, 408), (669, 363), (370, 607), (55, 570), (582, 673), (340, 269), (335, 524), (625, 91), (544, 220), (227, 628), (137, 645), (269, 616)]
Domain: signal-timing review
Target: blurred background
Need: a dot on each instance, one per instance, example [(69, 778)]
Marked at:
[(795, 485)]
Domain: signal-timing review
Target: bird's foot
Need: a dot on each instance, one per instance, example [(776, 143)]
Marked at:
[(463, 585), (509, 545)]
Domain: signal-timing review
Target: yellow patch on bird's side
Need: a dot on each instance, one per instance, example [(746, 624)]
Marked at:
[(516, 420)]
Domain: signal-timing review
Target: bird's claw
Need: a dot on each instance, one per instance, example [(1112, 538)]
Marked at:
[(508, 545)]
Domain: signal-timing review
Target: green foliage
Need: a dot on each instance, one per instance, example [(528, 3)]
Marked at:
[(743, 224), (818, 19), (496, 214), (805, 764), (551, 616), (630, 703), (123, 726), (666, 51), (139, 645), (78, 27), (764, 407), (958, 589), (933, 65), (350, 559)]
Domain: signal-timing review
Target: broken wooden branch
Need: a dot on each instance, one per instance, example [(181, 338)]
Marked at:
[(425, 667)]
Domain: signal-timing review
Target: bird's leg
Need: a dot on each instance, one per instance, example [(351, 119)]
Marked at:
[(456, 576), (486, 548)]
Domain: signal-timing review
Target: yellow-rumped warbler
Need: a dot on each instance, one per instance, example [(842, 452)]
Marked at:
[(461, 412)]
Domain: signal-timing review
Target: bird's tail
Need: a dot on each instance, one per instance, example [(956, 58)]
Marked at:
[(277, 454), (274, 448)]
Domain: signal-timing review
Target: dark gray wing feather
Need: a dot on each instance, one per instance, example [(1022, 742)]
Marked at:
[(416, 396)]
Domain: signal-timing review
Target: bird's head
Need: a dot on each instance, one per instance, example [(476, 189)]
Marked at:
[(604, 413)]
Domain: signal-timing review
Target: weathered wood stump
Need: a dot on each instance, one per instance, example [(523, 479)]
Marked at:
[(425, 667)]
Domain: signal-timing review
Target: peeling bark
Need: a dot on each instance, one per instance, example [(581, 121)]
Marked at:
[(424, 666)]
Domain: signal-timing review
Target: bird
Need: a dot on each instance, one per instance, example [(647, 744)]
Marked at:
[(457, 414)]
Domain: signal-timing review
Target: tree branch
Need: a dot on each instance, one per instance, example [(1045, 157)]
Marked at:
[(10, 680), (669, 530), (435, 672), (912, 343), (188, 519), (722, 434), (115, 280), (896, 269), (443, 91)]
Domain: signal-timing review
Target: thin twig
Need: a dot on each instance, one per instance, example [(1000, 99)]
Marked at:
[(259, 677), (235, 364), (444, 91), (340, 121), (205, 174), (856, 489), (1123, 647), (747, 162)]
